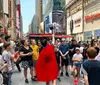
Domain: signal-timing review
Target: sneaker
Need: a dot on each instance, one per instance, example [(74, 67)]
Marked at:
[(59, 79), (67, 74), (26, 81), (33, 79), (82, 81), (75, 81), (61, 74)]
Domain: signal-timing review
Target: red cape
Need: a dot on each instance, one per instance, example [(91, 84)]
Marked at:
[(46, 66)]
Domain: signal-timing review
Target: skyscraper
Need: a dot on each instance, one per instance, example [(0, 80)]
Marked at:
[(38, 13), (12, 18), (1, 13), (54, 13)]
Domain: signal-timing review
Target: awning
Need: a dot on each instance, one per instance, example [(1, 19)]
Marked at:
[(50, 35)]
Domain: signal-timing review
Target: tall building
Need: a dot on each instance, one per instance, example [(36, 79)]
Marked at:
[(33, 24), (30, 29), (74, 12), (12, 19), (38, 13), (19, 23), (44, 2), (1, 13), (4, 15), (54, 13), (83, 17), (91, 19)]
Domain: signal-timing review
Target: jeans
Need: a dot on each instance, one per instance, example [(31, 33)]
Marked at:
[(9, 78)]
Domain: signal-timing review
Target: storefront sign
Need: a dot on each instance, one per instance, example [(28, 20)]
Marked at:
[(91, 17), (77, 22)]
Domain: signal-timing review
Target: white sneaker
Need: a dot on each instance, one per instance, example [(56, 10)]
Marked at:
[(82, 81)]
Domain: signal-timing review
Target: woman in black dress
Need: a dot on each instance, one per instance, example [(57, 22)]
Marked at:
[(26, 58)]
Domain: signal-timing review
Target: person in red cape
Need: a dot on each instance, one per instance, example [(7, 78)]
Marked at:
[(46, 66)]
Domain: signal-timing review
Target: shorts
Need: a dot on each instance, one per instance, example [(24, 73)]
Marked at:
[(78, 64), (27, 64), (65, 62), (34, 63)]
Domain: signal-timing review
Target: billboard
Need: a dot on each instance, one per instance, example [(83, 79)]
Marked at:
[(47, 22)]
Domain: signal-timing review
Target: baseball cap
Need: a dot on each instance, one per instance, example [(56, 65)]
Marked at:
[(63, 39), (77, 49)]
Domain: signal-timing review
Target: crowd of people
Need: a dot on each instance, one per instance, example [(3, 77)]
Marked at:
[(49, 61)]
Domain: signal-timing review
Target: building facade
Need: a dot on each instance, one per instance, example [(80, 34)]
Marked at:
[(74, 18), (19, 21), (33, 25), (12, 19), (38, 14), (4, 15), (1, 13), (54, 14), (83, 19), (91, 19)]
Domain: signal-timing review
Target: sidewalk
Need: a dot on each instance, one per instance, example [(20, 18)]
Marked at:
[(18, 79)]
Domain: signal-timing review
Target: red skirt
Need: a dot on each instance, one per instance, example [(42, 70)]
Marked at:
[(46, 66)]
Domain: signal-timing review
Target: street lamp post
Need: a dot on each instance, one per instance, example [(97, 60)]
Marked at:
[(52, 29)]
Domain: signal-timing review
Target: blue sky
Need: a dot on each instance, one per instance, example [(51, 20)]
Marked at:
[(28, 11)]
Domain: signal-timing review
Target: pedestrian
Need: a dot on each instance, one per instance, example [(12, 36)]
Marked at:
[(2, 63), (26, 53), (8, 58), (58, 59), (77, 61), (12, 43), (64, 50), (40, 46), (8, 39), (85, 47), (35, 56), (46, 67), (72, 50), (91, 68)]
